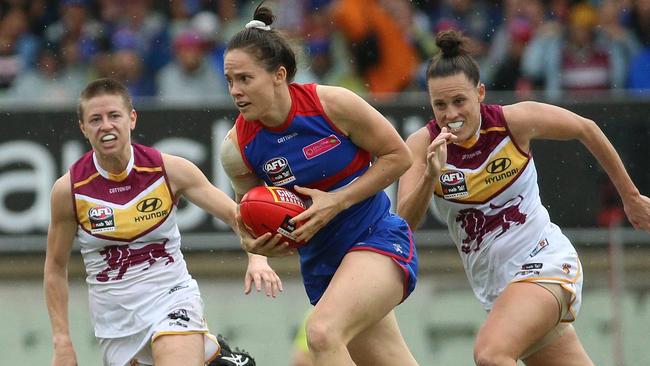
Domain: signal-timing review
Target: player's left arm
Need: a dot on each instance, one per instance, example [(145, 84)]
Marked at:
[(369, 130), (531, 120)]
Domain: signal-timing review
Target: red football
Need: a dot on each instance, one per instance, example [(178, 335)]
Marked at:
[(268, 210)]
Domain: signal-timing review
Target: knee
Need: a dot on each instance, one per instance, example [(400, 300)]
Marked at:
[(491, 356), (321, 335)]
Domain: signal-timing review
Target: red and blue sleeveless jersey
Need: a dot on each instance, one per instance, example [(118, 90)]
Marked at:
[(307, 143), (310, 151)]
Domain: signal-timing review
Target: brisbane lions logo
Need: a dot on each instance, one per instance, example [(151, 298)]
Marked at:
[(477, 224), (121, 257)]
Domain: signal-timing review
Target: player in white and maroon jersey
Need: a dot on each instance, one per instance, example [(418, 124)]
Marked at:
[(474, 159), (120, 201)]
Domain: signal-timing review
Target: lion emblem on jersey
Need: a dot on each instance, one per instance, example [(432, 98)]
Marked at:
[(121, 257), (477, 224)]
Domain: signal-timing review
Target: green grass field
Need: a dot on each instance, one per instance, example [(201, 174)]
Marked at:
[(438, 321)]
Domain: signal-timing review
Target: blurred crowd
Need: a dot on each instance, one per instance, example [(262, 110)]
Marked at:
[(173, 50)]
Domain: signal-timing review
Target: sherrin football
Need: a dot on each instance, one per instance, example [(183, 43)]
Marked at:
[(266, 209)]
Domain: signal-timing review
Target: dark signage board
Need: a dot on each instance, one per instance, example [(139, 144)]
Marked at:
[(36, 147)]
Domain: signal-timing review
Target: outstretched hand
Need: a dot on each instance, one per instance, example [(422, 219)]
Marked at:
[(323, 209), (260, 273), (638, 212)]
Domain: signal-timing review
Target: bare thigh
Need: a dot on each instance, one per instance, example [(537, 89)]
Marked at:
[(179, 349), (565, 351), (521, 315), (381, 345), (364, 289)]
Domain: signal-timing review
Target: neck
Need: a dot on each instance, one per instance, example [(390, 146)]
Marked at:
[(470, 141), (114, 163), (279, 112)]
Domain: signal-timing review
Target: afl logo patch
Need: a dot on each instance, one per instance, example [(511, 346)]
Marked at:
[(101, 219), (279, 171), (497, 166), (453, 184), (100, 213), (452, 177), (275, 165), (149, 204)]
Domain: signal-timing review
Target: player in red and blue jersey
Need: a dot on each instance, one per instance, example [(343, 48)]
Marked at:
[(334, 149)]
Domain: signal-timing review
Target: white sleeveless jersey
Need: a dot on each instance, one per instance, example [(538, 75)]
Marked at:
[(489, 197), (130, 242)]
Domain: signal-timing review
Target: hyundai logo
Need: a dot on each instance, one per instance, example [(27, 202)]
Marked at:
[(149, 204), (498, 165)]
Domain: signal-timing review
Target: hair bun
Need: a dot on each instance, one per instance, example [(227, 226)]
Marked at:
[(450, 43), (264, 14)]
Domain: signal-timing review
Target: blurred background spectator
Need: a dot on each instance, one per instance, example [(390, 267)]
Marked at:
[(126, 62), (190, 78), (55, 79), (75, 23), (507, 73), (378, 42), (18, 47), (502, 67), (478, 20), (582, 56), (380, 47), (639, 68)]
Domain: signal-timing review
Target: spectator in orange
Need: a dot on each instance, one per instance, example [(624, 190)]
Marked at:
[(381, 50)]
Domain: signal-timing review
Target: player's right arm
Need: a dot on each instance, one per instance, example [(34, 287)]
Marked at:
[(60, 236), (242, 180), (241, 177), (416, 186)]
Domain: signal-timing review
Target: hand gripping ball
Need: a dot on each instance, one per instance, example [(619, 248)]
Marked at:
[(266, 209)]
